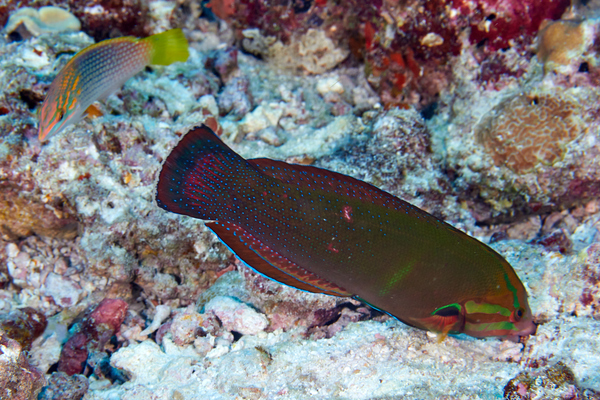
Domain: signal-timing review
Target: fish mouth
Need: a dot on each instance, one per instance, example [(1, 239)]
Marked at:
[(45, 132), (525, 329)]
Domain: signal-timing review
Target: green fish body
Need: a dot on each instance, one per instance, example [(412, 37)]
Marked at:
[(325, 232)]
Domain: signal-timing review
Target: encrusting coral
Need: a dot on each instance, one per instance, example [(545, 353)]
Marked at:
[(529, 129), (27, 22), (561, 44)]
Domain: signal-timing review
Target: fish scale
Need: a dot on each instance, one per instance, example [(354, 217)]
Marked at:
[(322, 231)]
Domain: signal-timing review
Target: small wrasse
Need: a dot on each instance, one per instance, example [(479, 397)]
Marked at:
[(324, 232), (100, 69)]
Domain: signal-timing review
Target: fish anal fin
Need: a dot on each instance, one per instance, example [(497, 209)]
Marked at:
[(269, 263)]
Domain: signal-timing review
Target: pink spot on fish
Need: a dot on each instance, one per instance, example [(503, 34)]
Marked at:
[(331, 248), (347, 213)]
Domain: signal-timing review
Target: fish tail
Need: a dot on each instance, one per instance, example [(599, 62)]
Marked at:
[(202, 177), (168, 47)]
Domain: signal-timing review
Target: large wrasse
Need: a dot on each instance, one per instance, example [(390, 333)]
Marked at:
[(100, 69), (324, 232)]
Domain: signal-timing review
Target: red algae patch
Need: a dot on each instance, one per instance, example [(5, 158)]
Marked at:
[(529, 129)]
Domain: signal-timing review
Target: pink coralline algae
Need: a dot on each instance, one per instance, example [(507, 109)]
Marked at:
[(93, 334)]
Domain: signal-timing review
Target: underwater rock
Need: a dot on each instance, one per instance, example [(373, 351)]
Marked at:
[(27, 22), (19, 380), (236, 316), (64, 291), (94, 332), (589, 300), (396, 156), (22, 215), (501, 25), (223, 62), (533, 152), (64, 387), (407, 47), (235, 100), (185, 326), (555, 382), (161, 314), (23, 325)]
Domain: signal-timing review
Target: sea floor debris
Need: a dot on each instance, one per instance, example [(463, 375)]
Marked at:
[(147, 304)]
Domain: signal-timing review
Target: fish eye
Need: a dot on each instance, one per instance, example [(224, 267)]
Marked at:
[(518, 314)]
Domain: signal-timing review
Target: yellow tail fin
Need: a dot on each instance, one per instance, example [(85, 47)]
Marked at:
[(168, 47)]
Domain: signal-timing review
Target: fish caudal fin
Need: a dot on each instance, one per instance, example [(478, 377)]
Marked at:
[(168, 47), (202, 177)]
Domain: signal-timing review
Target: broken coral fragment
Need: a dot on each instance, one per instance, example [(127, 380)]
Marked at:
[(529, 129), (65, 387), (28, 22), (94, 332), (236, 316), (312, 53), (185, 325)]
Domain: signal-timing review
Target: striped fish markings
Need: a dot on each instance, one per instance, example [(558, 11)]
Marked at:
[(100, 69), (325, 232)]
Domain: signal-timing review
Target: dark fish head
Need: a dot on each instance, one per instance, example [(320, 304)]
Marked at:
[(502, 310), (505, 314)]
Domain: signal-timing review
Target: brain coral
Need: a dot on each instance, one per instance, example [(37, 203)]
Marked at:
[(529, 129)]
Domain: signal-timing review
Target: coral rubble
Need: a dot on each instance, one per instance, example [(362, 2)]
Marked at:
[(19, 380), (23, 325), (556, 382), (482, 112), (94, 332)]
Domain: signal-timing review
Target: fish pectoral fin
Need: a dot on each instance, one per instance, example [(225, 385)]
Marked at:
[(93, 111), (269, 263)]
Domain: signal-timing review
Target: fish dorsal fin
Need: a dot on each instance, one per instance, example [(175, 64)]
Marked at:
[(327, 181), (269, 263)]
